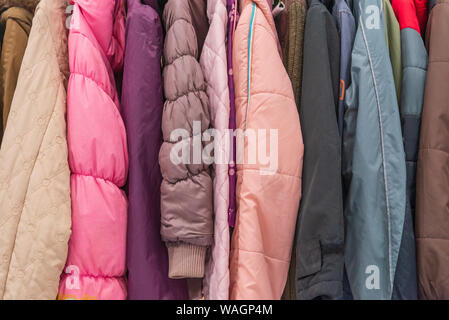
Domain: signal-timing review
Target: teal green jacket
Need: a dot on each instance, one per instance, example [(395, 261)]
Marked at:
[(373, 161)]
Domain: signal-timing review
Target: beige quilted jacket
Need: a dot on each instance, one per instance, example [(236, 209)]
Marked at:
[(35, 212)]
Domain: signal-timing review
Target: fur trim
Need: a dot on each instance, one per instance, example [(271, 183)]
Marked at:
[(29, 5)]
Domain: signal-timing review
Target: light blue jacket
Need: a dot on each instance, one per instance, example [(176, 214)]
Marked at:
[(374, 165)]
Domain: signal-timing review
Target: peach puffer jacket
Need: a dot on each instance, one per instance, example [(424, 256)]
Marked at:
[(267, 199)]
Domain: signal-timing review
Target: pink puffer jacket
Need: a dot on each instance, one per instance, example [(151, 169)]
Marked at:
[(267, 199), (214, 65), (98, 154)]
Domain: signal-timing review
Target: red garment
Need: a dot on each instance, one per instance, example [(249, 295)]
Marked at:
[(421, 12), (411, 14)]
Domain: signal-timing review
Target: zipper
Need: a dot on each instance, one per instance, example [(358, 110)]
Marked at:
[(251, 32)]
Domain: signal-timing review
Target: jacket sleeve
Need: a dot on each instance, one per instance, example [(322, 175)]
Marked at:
[(320, 233), (186, 190)]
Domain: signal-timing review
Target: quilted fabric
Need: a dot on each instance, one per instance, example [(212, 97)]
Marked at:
[(414, 67), (34, 172), (213, 63), (267, 199), (186, 190), (98, 154), (432, 177)]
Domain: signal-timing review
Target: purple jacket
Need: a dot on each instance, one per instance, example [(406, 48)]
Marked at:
[(142, 104)]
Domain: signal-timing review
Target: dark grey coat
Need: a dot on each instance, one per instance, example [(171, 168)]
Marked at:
[(320, 230)]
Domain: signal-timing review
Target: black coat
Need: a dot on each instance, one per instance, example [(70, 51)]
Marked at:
[(320, 227)]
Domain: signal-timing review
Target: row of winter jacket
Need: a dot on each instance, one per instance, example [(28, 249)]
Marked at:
[(131, 137)]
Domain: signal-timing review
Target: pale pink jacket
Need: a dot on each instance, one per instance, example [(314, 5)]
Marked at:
[(267, 200), (98, 155), (214, 65)]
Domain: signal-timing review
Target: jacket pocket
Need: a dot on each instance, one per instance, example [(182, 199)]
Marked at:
[(309, 258)]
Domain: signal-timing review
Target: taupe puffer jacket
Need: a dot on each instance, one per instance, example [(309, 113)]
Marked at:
[(186, 191)]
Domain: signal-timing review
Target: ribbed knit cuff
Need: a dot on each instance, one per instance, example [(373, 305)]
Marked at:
[(186, 261)]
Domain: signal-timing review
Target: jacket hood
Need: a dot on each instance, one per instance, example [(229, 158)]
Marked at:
[(21, 16), (29, 5)]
